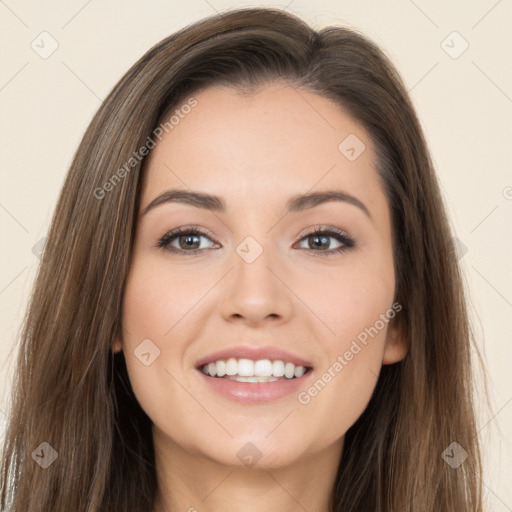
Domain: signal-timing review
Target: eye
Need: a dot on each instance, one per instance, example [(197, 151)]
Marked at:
[(319, 238), (187, 238)]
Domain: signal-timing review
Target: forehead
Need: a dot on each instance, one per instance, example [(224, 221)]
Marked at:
[(262, 147)]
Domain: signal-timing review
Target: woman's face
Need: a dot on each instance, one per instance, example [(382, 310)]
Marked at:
[(257, 279)]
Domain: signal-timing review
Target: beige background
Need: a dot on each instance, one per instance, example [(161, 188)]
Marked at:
[(464, 103)]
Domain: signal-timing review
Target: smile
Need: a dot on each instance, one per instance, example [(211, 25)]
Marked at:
[(252, 382), (247, 370)]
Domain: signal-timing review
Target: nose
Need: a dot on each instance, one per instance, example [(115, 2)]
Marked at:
[(257, 291)]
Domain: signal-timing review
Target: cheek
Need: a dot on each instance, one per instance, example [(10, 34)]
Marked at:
[(338, 396), (155, 306), (350, 299), (157, 299), (357, 308)]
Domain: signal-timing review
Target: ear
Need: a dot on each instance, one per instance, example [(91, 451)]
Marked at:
[(117, 345), (397, 343)]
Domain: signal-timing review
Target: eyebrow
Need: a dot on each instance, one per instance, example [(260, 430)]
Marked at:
[(214, 203)]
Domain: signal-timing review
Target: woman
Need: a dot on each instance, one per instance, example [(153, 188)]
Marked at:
[(251, 373)]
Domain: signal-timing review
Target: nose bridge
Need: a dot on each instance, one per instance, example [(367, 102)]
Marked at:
[(255, 291), (252, 261)]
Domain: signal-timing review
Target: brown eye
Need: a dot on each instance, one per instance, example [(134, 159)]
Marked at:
[(319, 241), (188, 241)]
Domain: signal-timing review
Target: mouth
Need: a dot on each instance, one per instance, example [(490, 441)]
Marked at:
[(254, 371), (254, 375)]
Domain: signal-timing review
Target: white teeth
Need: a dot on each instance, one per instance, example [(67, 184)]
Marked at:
[(289, 370), (231, 367), (278, 368), (263, 368), (247, 370), (212, 369), (220, 368), (253, 379), (299, 371)]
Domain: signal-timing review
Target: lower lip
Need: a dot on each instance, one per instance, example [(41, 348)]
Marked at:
[(255, 392)]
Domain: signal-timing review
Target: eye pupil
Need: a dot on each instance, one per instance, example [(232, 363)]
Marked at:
[(324, 240), (187, 240)]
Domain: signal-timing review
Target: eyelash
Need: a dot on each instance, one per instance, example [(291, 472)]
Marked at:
[(347, 241)]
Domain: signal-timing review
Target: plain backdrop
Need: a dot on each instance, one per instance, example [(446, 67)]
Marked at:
[(454, 58)]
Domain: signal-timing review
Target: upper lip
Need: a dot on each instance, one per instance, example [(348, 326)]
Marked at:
[(254, 353)]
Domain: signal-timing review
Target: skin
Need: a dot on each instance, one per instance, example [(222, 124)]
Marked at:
[(256, 151)]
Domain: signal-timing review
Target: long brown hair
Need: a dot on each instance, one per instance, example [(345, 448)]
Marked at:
[(71, 392)]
